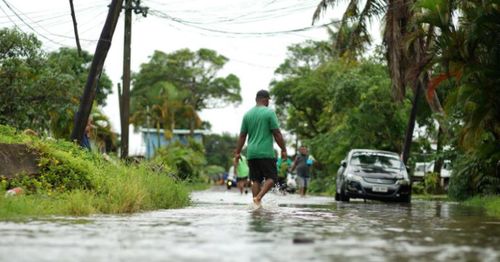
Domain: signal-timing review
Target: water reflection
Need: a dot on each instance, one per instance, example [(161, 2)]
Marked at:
[(261, 221), (221, 226)]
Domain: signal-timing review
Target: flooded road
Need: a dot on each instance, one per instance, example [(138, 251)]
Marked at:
[(221, 226)]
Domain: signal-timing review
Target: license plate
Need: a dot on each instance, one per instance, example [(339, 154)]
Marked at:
[(381, 189)]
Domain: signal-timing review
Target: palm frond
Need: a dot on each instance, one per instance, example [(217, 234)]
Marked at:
[(322, 7)]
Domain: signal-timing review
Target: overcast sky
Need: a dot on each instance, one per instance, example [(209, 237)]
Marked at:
[(253, 34)]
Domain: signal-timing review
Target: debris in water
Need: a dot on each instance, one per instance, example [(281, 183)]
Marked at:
[(303, 240), (14, 192)]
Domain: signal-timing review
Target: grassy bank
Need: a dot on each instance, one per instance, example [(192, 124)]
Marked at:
[(490, 203), (430, 197), (73, 181)]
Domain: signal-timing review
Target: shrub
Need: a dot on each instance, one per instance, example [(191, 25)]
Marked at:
[(431, 183), (187, 161), (73, 181), (321, 182), (474, 175), (417, 188)]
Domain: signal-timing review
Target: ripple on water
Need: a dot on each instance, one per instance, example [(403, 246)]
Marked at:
[(222, 226)]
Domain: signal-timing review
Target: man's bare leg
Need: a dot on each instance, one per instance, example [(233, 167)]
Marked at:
[(255, 188), (240, 186), (268, 184)]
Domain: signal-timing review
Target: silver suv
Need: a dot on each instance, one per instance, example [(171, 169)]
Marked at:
[(373, 174)]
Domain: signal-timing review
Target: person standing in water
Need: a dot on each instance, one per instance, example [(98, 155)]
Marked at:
[(260, 124), (301, 164), (241, 171)]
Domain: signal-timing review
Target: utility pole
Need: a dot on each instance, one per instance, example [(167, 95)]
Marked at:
[(101, 52), (130, 5)]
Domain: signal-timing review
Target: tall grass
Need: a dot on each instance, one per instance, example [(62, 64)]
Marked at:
[(490, 203), (76, 182)]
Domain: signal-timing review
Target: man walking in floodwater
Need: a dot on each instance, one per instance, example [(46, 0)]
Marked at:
[(301, 164), (260, 124)]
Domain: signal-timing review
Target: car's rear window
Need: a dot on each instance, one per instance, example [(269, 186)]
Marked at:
[(376, 159)]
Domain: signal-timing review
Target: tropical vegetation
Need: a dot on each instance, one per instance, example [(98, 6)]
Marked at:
[(171, 89), (73, 181), (39, 90), (446, 49)]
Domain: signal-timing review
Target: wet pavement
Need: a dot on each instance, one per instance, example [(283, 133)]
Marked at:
[(222, 226)]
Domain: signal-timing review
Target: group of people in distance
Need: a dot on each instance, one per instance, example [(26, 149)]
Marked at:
[(260, 126), (301, 164)]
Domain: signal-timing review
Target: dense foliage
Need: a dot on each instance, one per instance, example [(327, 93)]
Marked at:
[(219, 149), (41, 91), (172, 88), (336, 105), (465, 58), (73, 181), (187, 161)]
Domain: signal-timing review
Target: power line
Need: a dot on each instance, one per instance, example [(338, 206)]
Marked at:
[(161, 14), (251, 16), (28, 25)]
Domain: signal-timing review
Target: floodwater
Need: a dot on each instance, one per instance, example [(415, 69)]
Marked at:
[(221, 226)]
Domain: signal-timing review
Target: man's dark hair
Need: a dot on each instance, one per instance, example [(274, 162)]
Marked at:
[(263, 94)]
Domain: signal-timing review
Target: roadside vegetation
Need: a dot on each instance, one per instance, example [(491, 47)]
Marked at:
[(333, 96), (73, 181), (490, 203), (437, 70), (40, 92)]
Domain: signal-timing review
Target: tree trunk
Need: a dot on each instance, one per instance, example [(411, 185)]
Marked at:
[(411, 125), (438, 164)]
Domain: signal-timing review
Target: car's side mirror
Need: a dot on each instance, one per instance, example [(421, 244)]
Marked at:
[(343, 163)]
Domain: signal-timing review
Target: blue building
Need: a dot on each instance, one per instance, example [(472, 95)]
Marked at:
[(154, 139)]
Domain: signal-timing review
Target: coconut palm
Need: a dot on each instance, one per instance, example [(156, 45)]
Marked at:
[(468, 53), (163, 107), (406, 60)]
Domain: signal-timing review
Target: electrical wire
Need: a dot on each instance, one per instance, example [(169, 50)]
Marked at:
[(163, 15), (29, 26)]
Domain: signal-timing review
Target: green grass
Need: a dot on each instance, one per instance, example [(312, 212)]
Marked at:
[(490, 203), (430, 197), (78, 183), (196, 186)]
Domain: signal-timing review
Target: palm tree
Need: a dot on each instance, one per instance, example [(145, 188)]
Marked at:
[(163, 106), (406, 60), (467, 52)]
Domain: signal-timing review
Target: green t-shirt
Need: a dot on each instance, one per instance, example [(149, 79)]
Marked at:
[(283, 166), (259, 123), (243, 167)]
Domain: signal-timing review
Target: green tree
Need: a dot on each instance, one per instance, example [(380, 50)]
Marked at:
[(405, 60), (40, 91), (219, 149), (67, 73), (194, 75), (338, 105), (21, 65), (465, 55), (294, 90)]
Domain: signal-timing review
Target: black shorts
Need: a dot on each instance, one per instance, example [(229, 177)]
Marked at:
[(261, 168), (238, 179)]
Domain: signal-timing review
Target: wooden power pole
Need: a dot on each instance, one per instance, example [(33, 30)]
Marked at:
[(130, 5), (101, 52), (125, 96)]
